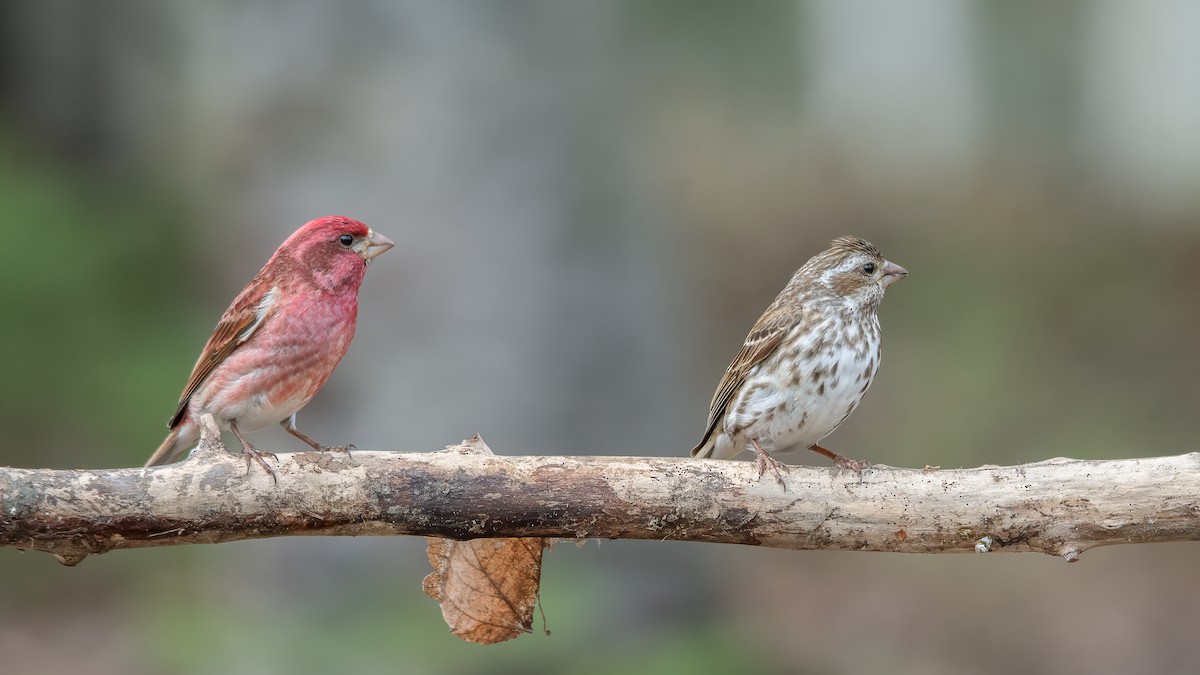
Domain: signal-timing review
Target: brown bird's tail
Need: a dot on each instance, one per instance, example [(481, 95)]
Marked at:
[(169, 451), (705, 449), (711, 448)]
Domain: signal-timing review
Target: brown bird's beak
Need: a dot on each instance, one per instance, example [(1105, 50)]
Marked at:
[(375, 244), (892, 273)]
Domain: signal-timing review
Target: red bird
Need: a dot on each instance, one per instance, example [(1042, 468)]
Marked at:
[(280, 339)]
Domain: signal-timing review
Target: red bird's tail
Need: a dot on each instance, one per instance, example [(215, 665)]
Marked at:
[(169, 451)]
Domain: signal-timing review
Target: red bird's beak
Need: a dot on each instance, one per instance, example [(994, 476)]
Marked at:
[(376, 244), (892, 273)]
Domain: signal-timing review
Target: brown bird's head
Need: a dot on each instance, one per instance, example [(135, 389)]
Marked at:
[(852, 270)]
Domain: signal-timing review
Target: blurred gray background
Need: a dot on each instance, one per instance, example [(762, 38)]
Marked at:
[(592, 203)]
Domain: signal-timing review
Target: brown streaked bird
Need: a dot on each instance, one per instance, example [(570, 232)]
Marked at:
[(806, 363)]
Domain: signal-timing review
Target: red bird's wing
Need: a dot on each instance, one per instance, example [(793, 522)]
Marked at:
[(763, 339), (245, 316)]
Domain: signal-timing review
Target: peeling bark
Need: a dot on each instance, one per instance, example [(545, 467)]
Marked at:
[(1060, 506)]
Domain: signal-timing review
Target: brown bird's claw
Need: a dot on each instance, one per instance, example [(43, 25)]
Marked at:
[(840, 460), (765, 461), (338, 448), (855, 465)]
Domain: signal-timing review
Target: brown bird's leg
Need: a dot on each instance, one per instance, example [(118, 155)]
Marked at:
[(765, 461), (289, 425), (252, 453), (840, 460)]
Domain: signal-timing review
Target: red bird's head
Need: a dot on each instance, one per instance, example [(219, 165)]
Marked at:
[(335, 250)]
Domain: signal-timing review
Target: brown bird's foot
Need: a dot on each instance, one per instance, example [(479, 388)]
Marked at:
[(337, 448), (765, 461), (254, 454), (840, 460), (855, 465)]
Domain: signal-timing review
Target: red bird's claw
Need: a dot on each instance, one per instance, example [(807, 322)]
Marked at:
[(339, 448), (251, 453)]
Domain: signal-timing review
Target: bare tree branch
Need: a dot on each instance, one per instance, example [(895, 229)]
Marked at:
[(1059, 506)]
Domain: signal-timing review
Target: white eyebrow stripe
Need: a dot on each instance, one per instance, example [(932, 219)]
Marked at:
[(260, 313)]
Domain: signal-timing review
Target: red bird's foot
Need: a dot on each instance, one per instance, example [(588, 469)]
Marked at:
[(253, 454), (765, 461), (289, 425)]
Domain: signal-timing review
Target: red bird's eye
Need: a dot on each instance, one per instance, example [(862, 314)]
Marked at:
[(346, 240)]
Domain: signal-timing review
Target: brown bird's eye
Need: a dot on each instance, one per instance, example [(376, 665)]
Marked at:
[(869, 268), (346, 240)]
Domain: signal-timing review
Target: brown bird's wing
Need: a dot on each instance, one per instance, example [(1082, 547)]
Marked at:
[(245, 316), (763, 339)]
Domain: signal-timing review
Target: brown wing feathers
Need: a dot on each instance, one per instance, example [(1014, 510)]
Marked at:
[(227, 336), (760, 343)]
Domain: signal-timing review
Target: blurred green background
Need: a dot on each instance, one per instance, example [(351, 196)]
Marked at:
[(593, 201)]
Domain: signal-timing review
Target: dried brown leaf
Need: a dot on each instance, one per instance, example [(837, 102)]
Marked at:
[(488, 588)]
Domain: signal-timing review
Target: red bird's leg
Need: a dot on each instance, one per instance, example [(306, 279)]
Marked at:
[(252, 453), (840, 460), (289, 425), (765, 461)]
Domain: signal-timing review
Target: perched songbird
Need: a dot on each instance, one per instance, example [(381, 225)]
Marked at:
[(806, 363), (280, 339)]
